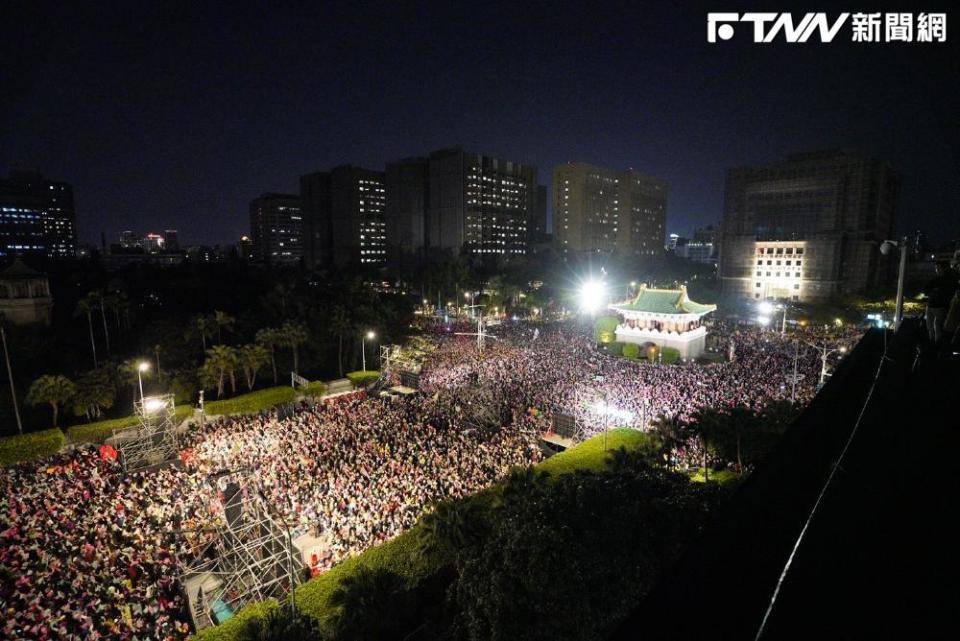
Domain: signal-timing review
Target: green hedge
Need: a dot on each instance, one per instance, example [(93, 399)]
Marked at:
[(252, 402), (362, 379), (27, 447), (400, 554), (316, 389), (604, 329), (630, 350), (670, 355), (100, 430), (232, 628)]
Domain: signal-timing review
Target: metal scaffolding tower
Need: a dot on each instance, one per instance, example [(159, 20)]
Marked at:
[(154, 439), (245, 555)]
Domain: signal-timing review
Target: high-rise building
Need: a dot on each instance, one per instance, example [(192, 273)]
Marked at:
[(537, 227), (129, 239), (171, 240), (36, 216), (478, 204), (597, 210), (275, 228), (702, 248), (153, 243), (808, 228), (345, 216), (408, 189)]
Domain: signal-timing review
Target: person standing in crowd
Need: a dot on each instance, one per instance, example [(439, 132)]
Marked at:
[(939, 292)]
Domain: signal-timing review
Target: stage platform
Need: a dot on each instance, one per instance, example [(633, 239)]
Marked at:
[(556, 440)]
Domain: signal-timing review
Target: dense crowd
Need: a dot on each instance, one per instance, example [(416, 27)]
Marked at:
[(87, 552)]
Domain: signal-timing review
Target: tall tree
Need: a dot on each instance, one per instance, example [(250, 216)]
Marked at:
[(252, 357), (102, 305), (96, 391), (270, 337), (295, 335), (52, 390), (223, 359), (201, 326), (362, 593), (340, 326), (224, 322), (85, 307)]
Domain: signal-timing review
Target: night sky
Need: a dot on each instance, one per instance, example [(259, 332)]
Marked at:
[(172, 115)]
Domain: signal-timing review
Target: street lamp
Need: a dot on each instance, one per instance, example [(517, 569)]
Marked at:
[(885, 248), (591, 296), (368, 336), (825, 352), (141, 368)]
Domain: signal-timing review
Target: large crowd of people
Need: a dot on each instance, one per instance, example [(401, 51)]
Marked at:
[(89, 552)]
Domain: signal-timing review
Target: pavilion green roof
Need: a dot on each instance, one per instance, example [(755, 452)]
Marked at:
[(663, 301)]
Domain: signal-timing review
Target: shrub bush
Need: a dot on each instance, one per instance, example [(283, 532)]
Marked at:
[(316, 389), (253, 402), (604, 329), (670, 355), (362, 379), (99, 431), (630, 350), (27, 447), (234, 627)]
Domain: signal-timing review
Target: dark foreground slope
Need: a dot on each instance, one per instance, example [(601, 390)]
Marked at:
[(879, 559)]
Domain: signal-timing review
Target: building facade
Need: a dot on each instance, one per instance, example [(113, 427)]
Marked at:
[(824, 212), (663, 318), (36, 216), (24, 295), (344, 214), (479, 205), (276, 229), (408, 194), (702, 248), (598, 210)]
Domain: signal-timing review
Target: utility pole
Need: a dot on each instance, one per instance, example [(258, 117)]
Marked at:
[(898, 316), (6, 355)]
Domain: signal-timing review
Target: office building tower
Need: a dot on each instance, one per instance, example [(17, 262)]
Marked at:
[(808, 228), (478, 204), (598, 210), (275, 229), (36, 216), (129, 239), (702, 248), (345, 217), (407, 190), (537, 227), (171, 240)]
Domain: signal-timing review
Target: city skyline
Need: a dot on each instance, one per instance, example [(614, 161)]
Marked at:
[(170, 126)]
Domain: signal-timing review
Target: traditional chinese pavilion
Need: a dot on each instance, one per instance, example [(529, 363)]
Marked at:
[(665, 318)]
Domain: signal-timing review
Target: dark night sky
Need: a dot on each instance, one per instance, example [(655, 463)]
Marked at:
[(168, 115)]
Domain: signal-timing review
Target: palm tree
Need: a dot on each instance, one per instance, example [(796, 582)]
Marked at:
[(130, 374), (96, 391), (102, 304), (203, 326), (85, 307), (156, 352), (340, 325), (223, 360), (252, 357), (270, 337), (294, 335), (223, 321), (53, 390)]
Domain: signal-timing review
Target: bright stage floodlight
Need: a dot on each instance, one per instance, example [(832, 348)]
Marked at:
[(591, 296), (152, 405), (765, 308), (763, 320)]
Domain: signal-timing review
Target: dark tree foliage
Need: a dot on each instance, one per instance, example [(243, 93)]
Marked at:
[(569, 558), (278, 625)]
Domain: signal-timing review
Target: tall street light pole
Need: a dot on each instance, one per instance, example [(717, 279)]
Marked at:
[(141, 368), (885, 248), (368, 336), (6, 356)]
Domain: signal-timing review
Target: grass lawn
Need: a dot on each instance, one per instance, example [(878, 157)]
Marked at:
[(723, 477)]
